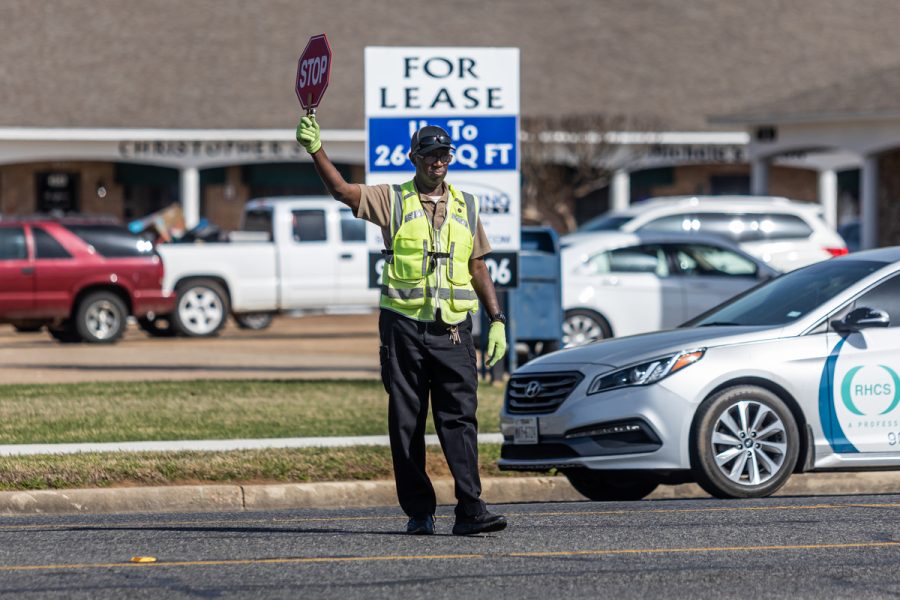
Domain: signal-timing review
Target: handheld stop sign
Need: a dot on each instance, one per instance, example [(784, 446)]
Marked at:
[(313, 72)]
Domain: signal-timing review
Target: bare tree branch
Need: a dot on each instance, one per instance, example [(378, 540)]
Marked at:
[(568, 156)]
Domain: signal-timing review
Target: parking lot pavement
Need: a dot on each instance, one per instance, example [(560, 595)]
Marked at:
[(797, 548), (314, 346)]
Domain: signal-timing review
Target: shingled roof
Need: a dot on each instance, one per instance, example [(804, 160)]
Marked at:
[(224, 64), (863, 96)]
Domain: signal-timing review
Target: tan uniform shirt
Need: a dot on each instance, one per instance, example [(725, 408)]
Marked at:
[(375, 206)]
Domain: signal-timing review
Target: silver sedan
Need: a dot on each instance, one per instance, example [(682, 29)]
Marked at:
[(797, 374)]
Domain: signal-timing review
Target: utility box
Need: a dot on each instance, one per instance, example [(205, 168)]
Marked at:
[(535, 307)]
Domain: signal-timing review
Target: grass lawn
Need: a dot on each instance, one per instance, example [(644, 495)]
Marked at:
[(203, 409), (247, 466), (184, 410)]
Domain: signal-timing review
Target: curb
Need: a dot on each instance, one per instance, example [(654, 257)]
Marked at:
[(360, 494)]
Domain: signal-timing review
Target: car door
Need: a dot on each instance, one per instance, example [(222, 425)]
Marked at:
[(309, 273), (631, 287), (57, 275), (16, 274), (865, 377), (710, 274), (353, 261)]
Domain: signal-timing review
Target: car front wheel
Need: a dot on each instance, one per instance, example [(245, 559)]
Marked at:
[(744, 443), (201, 308), (611, 485)]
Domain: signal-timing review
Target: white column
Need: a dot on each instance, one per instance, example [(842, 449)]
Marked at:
[(190, 196), (828, 195), (868, 205), (621, 190), (759, 177)]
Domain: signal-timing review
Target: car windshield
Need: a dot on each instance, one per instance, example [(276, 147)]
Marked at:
[(605, 222), (784, 300)]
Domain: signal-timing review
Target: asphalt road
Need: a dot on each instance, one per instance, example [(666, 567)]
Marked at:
[(823, 547)]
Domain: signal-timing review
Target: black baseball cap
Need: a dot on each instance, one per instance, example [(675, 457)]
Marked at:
[(430, 138)]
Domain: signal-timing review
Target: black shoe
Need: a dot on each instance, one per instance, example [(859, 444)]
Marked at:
[(423, 526), (483, 523)]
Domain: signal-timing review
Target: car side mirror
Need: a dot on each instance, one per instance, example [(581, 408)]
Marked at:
[(861, 318)]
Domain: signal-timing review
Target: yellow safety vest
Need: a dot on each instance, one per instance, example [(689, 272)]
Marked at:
[(428, 268)]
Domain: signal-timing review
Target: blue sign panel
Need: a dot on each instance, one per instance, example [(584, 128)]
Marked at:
[(482, 143)]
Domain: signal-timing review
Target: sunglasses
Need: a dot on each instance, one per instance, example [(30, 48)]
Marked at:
[(431, 140)]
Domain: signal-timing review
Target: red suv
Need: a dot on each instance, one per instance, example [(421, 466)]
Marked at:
[(80, 278)]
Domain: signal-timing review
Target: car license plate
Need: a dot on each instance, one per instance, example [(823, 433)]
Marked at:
[(526, 430)]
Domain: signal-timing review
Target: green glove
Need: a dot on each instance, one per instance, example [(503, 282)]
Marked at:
[(308, 134), (496, 343)]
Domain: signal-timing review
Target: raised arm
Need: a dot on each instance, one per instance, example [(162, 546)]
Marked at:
[(308, 136)]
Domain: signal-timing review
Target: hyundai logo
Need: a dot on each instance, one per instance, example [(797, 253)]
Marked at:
[(533, 389)]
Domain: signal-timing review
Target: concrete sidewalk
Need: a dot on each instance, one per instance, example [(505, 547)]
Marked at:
[(497, 490), (220, 445)]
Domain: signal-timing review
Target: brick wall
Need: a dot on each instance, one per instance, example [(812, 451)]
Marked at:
[(18, 187)]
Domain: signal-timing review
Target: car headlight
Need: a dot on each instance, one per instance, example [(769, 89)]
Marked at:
[(646, 373)]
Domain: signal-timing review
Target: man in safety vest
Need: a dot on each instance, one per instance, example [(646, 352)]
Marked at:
[(433, 279)]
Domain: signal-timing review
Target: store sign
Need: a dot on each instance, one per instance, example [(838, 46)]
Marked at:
[(217, 149), (472, 93)]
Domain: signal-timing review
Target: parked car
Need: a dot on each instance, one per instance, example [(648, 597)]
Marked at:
[(799, 374), (785, 234), (80, 278), (618, 284), (291, 253)]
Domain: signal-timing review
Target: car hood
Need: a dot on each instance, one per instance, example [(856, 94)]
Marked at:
[(618, 352)]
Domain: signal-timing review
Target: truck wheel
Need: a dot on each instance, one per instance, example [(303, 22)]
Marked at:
[(582, 326), (255, 321), (64, 333), (611, 485), (101, 318), (744, 443), (200, 309), (159, 327)]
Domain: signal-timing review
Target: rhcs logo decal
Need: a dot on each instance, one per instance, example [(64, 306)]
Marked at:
[(870, 390)]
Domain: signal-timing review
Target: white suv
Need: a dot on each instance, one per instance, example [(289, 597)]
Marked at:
[(783, 233)]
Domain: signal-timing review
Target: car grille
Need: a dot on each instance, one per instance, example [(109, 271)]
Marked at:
[(539, 393)]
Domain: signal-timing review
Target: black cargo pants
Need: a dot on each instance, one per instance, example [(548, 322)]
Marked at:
[(419, 360)]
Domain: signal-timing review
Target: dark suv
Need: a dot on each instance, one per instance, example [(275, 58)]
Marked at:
[(80, 278)]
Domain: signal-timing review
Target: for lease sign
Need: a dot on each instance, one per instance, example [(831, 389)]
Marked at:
[(473, 93)]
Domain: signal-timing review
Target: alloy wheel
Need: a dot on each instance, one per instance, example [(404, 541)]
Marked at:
[(749, 442)]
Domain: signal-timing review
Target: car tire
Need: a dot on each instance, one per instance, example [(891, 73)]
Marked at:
[(201, 308), (64, 333), (159, 327), (101, 318), (607, 486), (744, 443), (581, 326), (255, 321)]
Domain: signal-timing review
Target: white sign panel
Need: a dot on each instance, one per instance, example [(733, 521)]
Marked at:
[(473, 93)]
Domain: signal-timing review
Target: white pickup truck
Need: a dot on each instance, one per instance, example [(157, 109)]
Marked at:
[(292, 253)]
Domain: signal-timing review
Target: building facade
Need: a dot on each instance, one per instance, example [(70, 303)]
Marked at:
[(121, 108)]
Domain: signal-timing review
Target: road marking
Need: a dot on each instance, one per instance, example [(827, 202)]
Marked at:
[(421, 557), (396, 517)]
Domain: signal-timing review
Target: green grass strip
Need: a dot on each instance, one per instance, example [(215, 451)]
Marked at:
[(246, 466), (204, 409)]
